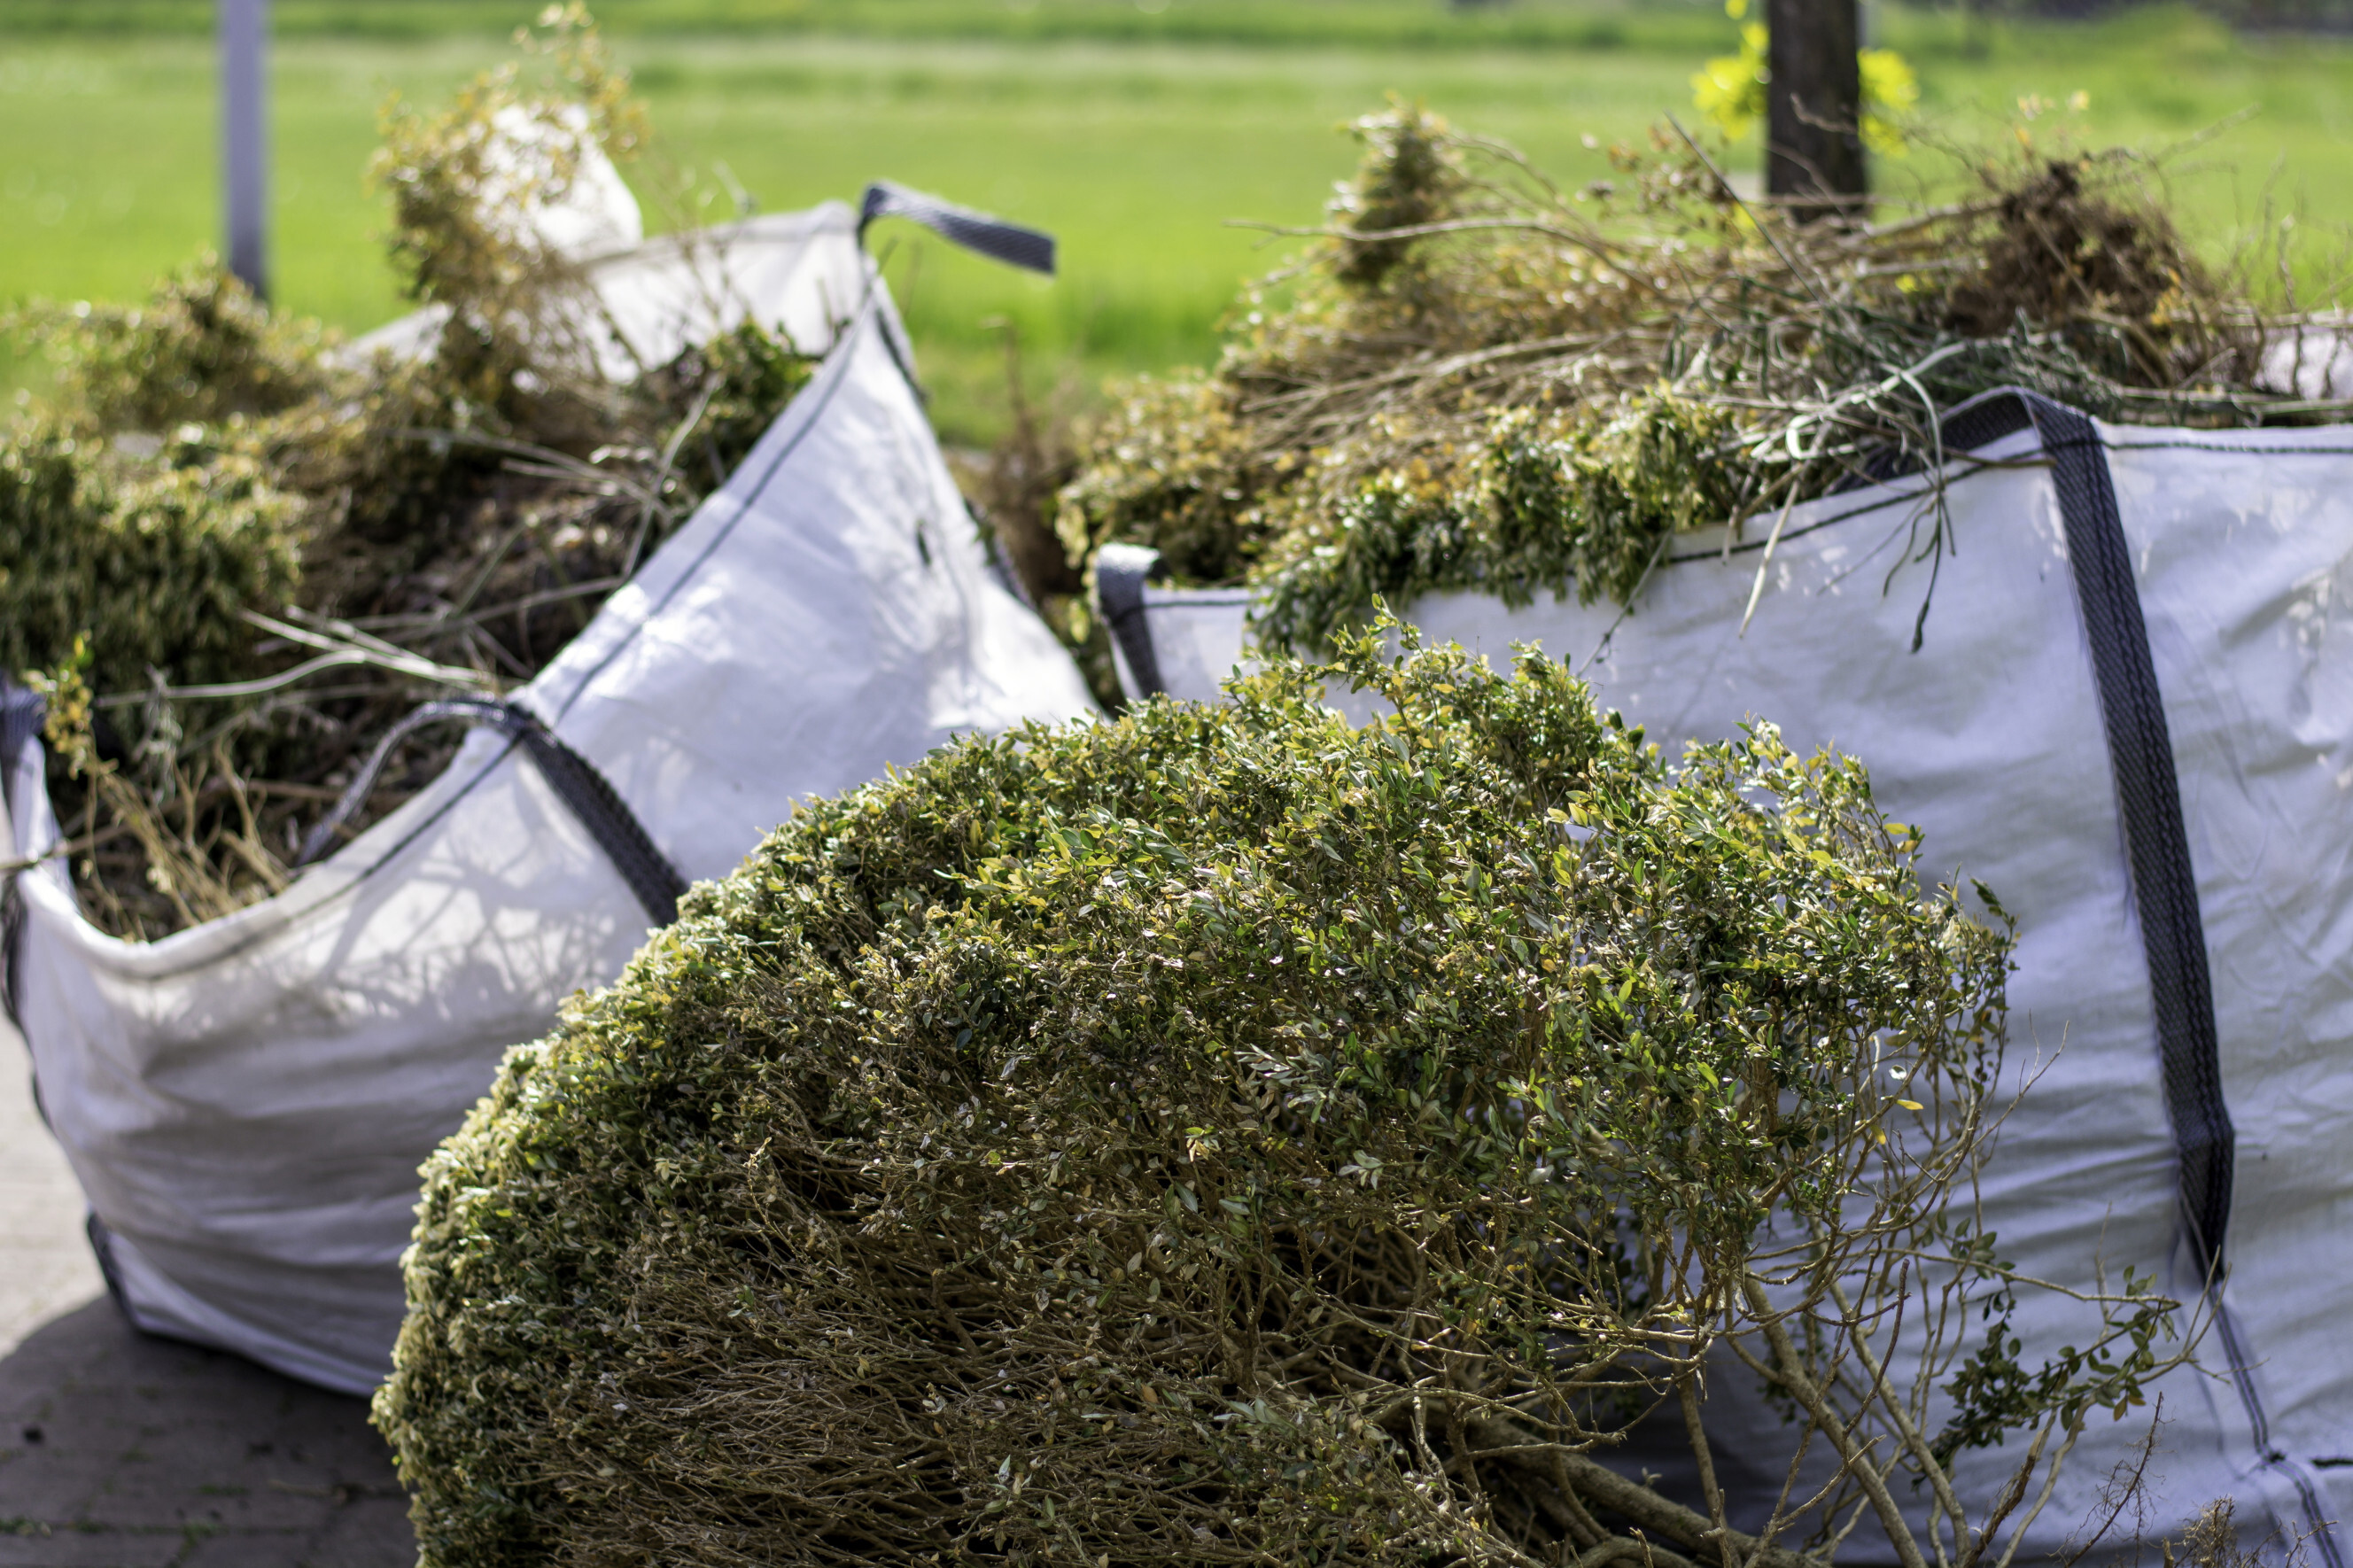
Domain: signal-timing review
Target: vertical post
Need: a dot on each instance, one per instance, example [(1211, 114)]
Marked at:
[(244, 161), (1814, 106)]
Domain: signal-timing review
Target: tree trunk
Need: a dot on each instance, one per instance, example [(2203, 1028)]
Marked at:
[(1814, 113)]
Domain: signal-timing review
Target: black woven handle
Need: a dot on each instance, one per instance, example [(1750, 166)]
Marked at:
[(2149, 799), (586, 792), (975, 231), (610, 821), (1120, 572)]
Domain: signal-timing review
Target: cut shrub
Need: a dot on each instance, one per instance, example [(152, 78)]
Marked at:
[(1220, 1134)]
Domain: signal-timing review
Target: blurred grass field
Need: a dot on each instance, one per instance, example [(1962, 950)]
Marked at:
[(1133, 133)]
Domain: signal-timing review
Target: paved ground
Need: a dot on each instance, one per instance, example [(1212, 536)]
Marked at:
[(122, 1451), (45, 1267)]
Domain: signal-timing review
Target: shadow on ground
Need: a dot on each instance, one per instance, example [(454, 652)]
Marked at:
[(118, 1451)]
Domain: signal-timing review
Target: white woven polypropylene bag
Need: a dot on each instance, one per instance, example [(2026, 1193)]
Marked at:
[(247, 1102), (1991, 738)]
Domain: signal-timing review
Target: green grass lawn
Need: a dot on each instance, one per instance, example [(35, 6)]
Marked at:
[(1132, 134)]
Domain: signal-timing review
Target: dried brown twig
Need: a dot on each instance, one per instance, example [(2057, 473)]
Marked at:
[(1475, 379)]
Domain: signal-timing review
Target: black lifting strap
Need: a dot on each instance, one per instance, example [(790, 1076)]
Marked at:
[(2149, 796), (1121, 573), (977, 231), (586, 792)]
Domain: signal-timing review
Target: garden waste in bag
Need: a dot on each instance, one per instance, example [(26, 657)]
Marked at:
[(245, 1102), (2130, 718)]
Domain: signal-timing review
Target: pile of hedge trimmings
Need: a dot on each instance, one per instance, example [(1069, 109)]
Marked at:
[(234, 554), (1220, 1134), (1473, 378)]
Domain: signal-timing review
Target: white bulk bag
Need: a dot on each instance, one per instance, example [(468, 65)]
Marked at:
[(585, 213), (247, 1102), (2035, 773), (799, 272)]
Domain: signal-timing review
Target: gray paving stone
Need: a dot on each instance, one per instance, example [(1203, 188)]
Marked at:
[(44, 1264), (93, 1549), (130, 1450), (372, 1532)]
